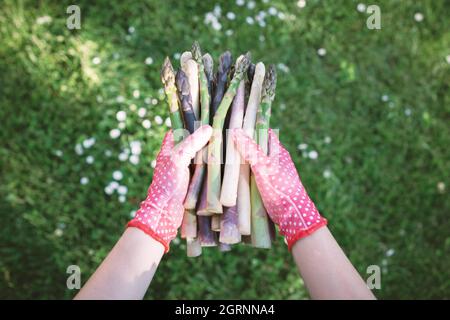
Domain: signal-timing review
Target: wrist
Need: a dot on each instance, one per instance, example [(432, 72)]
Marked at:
[(135, 223), (303, 233)]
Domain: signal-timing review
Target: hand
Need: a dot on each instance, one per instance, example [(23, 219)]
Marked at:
[(282, 192), (161, 213)]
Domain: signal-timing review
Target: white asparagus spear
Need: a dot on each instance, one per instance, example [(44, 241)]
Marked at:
[(244, 206), (228, 193), (189, 66)]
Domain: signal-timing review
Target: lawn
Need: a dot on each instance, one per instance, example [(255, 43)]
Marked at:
[(364, 113)]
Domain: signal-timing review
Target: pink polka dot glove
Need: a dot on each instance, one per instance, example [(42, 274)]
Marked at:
[(282, 192), (161, 213)]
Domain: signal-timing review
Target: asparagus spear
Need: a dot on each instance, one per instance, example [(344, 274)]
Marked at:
[(196, 183), (215, 144), (215, 222), (189, 225), (189, 66), (229, 231), (222, 76), (184, 94), (193, 246), (244, 204), (260, 224), (224, 247), (232, 166), (168, 80), (207, 237), (225, 62)]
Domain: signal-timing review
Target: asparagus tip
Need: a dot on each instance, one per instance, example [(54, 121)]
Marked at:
[(243, 63), (196, 52), (167, 72), (270, 83)]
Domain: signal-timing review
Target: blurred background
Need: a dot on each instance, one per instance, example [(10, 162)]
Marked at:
[(364, 114)]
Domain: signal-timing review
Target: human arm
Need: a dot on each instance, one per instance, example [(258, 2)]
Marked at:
[(129, 268), (327, 272)]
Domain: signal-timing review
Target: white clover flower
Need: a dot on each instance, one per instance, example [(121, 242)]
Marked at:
[(84, 180), (301, 3), (142, 112), (385, 98), (418, 17), (44, 20), (390, 252), (361, 7), (99, 99), (327, 174), (148, 61), (79, 149), (281, 15), (122, 199), (240, 2), (122, 190), (148, 100), (134, 159), (251, 4), (447, 58), (216, 25), (302, 146), (231, 16), (217, 11), (88, 143), (154, 101), (136, 93), (59, 232), (249, 20), (89, 159), (132, 107), (272, 11), (146, 124), (122, 125), (168, 123), (114, 185), (131, 29), (120, 99), (153, 164), (229, 32), (58, 153), (121, 115), (282, 67), (132, 213), (177, 56), (135, 147), (321, 52), (159, 120), (313, 154), (327, 140), (108, 190), (114, 133), (117, 175), (96, 60), (123, 156), (262, 23), (441, 187), (408, 112)]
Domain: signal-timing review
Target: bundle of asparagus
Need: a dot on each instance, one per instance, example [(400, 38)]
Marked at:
[(222, 206)]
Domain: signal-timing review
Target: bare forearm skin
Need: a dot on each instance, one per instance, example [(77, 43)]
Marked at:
[(325, 269)]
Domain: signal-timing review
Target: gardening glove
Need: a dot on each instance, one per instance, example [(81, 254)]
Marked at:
[(161, 213), (282, 192)]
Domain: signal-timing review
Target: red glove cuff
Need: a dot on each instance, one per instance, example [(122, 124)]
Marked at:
[(143, 227), (304, 233)]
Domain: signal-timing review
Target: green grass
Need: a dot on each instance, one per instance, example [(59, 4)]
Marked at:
[(384, 162)]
